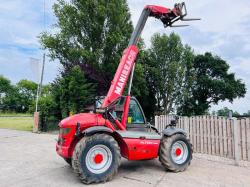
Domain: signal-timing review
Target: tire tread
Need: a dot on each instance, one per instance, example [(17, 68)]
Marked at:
[(76, 163), (165, 156)]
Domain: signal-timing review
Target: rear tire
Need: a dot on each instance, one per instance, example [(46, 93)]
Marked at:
[(96, 158), (175, 152)]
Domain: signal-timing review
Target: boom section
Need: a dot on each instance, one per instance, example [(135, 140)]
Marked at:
[(126, 65), (121, 76)]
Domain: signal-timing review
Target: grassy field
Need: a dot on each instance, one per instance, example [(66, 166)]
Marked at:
[(14, 114), (17, 123)]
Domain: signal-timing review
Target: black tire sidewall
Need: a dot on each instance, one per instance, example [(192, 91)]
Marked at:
[(180, 137), (89, 145)]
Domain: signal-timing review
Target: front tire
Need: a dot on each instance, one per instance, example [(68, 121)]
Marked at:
[(96, 158), (175, 152)]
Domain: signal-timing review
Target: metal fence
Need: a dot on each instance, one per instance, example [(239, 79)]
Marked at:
[(221, 136)]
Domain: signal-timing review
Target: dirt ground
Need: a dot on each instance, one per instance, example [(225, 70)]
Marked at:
[(28, 159)]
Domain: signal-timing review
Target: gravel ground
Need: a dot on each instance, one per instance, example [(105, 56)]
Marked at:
[(29, 159)]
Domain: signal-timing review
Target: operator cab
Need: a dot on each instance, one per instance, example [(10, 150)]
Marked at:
[(136, 120)]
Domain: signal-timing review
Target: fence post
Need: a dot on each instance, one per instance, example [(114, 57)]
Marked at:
[(185, 124), (236, 141), (36, 122), (156, 122)]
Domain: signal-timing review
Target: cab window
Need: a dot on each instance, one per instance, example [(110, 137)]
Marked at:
[(118, 109), (135, 114)]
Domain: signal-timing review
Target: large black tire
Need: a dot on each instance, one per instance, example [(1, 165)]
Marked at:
[(80, 161), (166, 157)]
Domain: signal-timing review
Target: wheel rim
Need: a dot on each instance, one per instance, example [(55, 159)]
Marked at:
[(179, 152), (98, 159)]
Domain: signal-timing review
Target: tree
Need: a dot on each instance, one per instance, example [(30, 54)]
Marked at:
[(5, 87), (91, 34), (224, 111), (5, 84), (11, 101), (211, 83), (72, 93), (27, 88), (247, 114), (9, 96), (167, 65), (26, 94), (19, 97), (5, 90)]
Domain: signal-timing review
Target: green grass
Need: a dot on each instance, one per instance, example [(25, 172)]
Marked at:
[(15, 114), (17, 123)]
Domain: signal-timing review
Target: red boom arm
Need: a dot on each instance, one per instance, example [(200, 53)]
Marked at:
[(121, 76), (168, 17)]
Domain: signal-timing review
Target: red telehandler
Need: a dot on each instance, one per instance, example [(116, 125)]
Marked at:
[(95, 142)]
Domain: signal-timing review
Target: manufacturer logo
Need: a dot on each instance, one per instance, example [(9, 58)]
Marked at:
[(125, 72)]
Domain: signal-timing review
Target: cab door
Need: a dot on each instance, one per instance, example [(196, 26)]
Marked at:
[(136, 120)]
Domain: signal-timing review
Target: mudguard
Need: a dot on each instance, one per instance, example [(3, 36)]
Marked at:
[(172, 130), (93, 130)]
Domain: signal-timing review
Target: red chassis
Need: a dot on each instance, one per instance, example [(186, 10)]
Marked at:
[(94, 142), (131, 148)]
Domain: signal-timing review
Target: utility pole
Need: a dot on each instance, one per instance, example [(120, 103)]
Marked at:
[(39, 87), (38, 94), (41, 81)]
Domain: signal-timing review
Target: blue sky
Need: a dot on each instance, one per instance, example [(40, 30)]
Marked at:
[(224, 31)]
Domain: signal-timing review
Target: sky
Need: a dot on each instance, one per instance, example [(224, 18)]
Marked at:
[(224, 30)]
